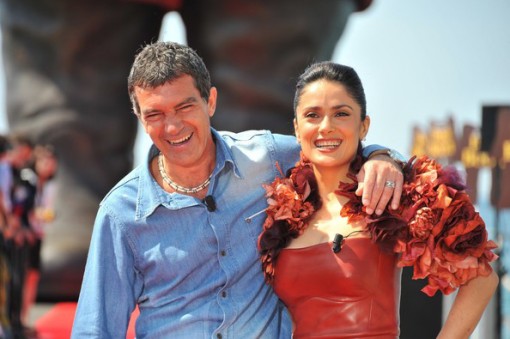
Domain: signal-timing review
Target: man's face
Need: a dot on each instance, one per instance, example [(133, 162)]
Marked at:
[(177, 119)]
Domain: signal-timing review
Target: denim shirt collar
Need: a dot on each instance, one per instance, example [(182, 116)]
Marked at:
[(151, 195)]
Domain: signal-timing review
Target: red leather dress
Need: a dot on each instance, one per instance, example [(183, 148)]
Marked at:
[(354, 293)]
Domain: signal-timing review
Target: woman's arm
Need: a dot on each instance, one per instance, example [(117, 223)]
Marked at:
[(468, 307)]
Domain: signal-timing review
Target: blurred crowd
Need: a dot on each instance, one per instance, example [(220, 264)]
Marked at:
[(27, 189)]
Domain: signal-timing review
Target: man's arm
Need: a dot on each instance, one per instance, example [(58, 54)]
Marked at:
[(372, 177), (106, 297), (380, 178)]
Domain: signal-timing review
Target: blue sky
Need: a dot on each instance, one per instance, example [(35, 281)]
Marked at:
[(424, 60), (420, 60)]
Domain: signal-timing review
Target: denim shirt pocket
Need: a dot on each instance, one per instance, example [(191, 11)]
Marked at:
[(255, 223)]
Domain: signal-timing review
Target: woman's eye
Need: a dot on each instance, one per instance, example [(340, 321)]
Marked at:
[(342, 114), (311, 115)]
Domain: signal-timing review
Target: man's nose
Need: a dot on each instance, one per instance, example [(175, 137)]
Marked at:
[(173, 124)]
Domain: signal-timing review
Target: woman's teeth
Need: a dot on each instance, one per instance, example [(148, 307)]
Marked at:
[(327, 144)]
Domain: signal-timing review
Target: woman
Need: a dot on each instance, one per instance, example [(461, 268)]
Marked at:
[(336, 269)]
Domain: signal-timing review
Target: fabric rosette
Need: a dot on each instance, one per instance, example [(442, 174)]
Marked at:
[(436, 228)]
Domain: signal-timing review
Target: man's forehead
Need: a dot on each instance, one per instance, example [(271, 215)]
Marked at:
[(181, 82)]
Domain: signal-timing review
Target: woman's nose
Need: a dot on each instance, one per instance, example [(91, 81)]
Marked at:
[(325, 125)]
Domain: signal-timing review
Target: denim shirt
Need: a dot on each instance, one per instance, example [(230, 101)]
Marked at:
[(192, 273)]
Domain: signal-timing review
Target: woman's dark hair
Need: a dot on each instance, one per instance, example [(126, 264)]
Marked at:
[(331, 71), (162, 62)]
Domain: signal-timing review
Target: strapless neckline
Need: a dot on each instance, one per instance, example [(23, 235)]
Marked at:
[(321, 244)]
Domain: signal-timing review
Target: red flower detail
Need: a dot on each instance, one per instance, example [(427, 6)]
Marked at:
[(421, 225), (436, 229), (292, 200)]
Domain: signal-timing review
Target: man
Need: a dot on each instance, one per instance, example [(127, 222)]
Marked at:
[(177, 236)]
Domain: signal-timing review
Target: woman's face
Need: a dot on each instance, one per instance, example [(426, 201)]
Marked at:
[(328, 124)]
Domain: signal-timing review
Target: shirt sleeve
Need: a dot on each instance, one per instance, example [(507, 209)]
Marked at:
[(107, 295), (286, 150), (394, 154)]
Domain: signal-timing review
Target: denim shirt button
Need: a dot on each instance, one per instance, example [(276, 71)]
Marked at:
[(224, 294), (223, 253), (219, 336)]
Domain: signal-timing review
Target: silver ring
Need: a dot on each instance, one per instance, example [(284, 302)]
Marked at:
[(390, 184)]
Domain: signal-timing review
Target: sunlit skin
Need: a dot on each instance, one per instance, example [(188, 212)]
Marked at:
[(328, 126), (177, 119)]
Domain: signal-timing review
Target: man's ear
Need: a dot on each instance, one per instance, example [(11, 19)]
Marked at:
[(211, 103)]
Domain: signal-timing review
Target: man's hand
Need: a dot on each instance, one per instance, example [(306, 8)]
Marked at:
[(375, 183)]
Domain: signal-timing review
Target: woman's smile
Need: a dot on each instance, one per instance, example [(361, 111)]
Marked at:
[(327, 144)]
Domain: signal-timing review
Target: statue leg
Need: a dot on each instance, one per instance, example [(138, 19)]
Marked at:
[(66, 65), (255, 51)]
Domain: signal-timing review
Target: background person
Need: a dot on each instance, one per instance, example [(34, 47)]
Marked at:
[(43, 213), (19, 235), (5, 179)]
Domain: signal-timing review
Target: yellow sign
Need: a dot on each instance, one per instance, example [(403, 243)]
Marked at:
[(505, 156), (419, 146), (471, 156), (442, 142)]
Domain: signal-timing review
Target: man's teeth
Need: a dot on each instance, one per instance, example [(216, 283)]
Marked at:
[(180, 141), (327, 144)]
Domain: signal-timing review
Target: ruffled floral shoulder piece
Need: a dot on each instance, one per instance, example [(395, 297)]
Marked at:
[(436, 229), (288, 198), (292, 199)]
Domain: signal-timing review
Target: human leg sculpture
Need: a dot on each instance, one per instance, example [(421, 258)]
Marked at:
[(255, 49)]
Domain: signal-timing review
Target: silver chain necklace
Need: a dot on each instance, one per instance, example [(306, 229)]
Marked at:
[(177, 187)]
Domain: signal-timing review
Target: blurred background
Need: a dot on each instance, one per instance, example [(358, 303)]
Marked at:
[(435, 73), (421, 61)]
